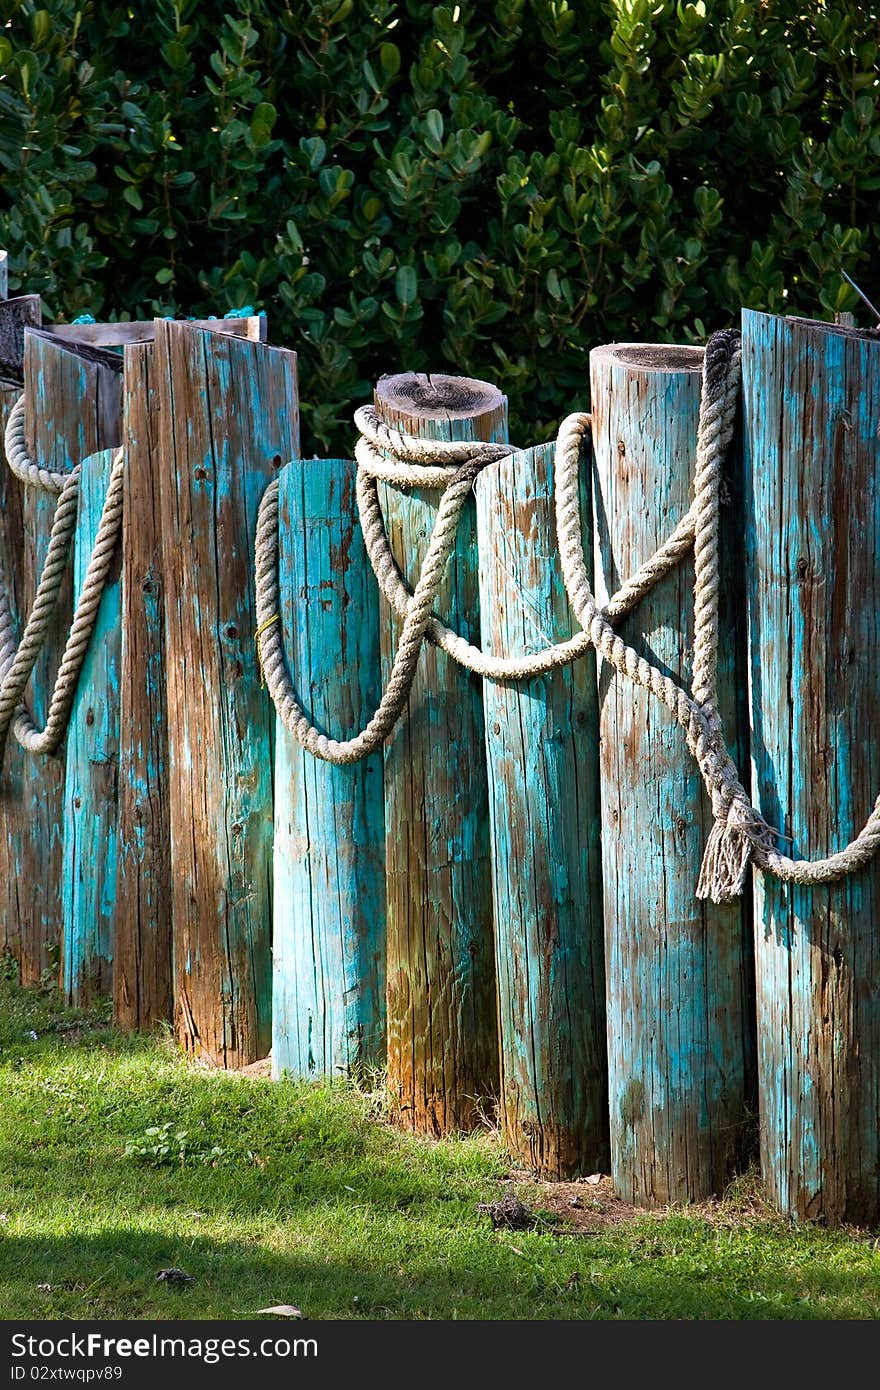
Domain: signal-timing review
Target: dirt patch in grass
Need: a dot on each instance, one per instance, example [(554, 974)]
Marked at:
[(586, 1205), (589, 1204)]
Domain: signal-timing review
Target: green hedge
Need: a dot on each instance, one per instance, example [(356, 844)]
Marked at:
[(489, 188)]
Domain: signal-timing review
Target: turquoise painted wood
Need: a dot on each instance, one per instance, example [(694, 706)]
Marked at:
[(228, 419), (12, 828), (812, 452), (73, 410), (88, 891), (442, 1011), (542, 746), (680, 1026), (328, 1011)]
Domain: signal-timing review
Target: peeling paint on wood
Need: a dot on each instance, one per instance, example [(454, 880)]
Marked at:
[(228, 419), (72, 411), (88, 892), (812, 436), (329, 919), (680, 1032), (442, 1014), (11, 791), (542, 753), (142, 975)]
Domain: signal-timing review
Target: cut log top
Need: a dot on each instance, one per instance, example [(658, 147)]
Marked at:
[(651, 357), (144, 331), (87, 352), (436, 397)]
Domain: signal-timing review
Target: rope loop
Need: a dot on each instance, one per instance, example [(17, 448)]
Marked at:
[(18, 657), (740, 836)]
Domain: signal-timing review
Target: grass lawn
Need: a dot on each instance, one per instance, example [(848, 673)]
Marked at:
[(117, 1159)]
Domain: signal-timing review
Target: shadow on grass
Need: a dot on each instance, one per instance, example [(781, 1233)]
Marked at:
[(112, 1274)]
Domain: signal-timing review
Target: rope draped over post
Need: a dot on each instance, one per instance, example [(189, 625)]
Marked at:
[(739, 835), (18, 657)]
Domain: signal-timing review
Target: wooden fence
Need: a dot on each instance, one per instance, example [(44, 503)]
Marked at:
[(501, 908)]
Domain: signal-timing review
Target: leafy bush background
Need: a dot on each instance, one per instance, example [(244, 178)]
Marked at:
[(488, 188)]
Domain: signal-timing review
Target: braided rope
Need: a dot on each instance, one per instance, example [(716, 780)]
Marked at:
[(740, 836), (18, 657), (20, 461)]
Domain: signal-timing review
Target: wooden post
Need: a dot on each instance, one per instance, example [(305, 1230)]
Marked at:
[(812, 451), (142, 977), (142, 968), (679, 1018), (11, 791), (228, 419), (88, 894), (16, 315), (329, 937), (543, 759), (72, 412), (442, 1044)]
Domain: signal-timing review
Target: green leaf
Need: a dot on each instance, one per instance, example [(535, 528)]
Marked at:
[(389, 59), (41, 26), (434, 128), (264, 114), (406, 285)]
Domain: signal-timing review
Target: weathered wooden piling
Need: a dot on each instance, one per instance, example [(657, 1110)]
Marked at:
[(679, 1026), (239, 401), (11, 569), (142, 977), (812, 453), (543, 761), (442, 1016), (142, 968), (16, 315), (89, 855), (72, 397), (328, 1011)]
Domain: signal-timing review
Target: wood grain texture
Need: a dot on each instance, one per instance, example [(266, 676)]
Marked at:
[(228, 419), (72, 411), (812, 449), (328, 1011), (24, 311), (12, 809), (442, 1013), (143, 331), (142, 976), (89, 860), (680, 1033), (543, 762)]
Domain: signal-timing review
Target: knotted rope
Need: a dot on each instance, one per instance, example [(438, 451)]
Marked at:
[(739, 834), (18, 657)]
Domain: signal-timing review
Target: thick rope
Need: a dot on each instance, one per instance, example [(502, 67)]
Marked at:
[(18, 658), (739, 836)]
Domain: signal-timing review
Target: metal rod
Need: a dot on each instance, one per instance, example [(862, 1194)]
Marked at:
[(862, 295)]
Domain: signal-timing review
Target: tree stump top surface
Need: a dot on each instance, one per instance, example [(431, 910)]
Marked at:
[(653, 357), (436, 396)]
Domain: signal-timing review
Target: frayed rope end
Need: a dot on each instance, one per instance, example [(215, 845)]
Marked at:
[(725, 864), (730, 850)]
